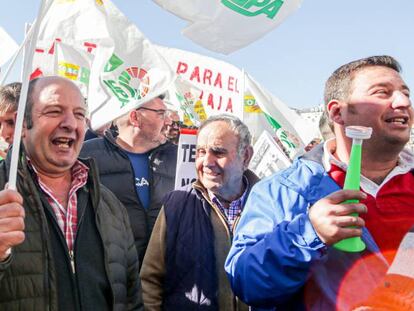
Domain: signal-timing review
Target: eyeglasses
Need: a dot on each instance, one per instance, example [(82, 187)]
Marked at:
[(160, 112), (176, 124)]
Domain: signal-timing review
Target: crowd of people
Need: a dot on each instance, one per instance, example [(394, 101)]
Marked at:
[(96, 224)]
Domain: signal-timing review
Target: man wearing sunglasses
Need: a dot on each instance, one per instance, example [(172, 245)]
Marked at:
[(138, 165), (172, 131)]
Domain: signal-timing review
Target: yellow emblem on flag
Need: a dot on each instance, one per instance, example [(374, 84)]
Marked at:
[(250, 104), (68, 70)]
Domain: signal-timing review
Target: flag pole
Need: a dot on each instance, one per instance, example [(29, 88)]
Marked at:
[(242, 91), (27, 63), (27, 31)]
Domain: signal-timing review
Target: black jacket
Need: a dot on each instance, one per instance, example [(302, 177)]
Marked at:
[(31, 277), (116, 173)]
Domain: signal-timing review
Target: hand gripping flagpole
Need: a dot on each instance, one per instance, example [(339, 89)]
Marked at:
[(353, 179)]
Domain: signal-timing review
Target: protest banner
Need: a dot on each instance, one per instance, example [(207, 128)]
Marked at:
[(268, 156), (218, 81), (7, 47), (126, 69), (186, 170), (227, 89), (227, 25)]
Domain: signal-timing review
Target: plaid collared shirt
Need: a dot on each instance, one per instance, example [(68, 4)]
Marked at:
[(235, 208), (67, 219)]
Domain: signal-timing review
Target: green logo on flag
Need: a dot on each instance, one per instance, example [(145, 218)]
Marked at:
[(131, 83), (254, 7), (113, 63), (282, 135)]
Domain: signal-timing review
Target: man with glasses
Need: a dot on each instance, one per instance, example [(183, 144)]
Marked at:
[(138, 165), (172, 131)]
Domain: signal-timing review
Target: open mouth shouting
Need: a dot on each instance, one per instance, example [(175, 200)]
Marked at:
[(63, 142)]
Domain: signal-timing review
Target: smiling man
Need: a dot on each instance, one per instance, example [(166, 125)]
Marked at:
[(138, 165), (283, 255), (65, 240), (183, 267)]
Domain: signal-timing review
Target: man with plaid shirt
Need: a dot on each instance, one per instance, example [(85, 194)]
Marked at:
[(65, 240), (183, 265)]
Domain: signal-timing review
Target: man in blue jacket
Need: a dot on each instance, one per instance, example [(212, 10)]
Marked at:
[(282, 254)]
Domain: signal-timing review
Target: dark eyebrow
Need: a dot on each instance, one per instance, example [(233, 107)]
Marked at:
[(387, 84), (218, 149), (405, 87)]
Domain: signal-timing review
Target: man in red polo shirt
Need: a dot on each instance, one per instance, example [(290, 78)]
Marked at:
[(282, 252)]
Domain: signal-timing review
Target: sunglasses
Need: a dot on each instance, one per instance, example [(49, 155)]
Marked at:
[(176, 124)]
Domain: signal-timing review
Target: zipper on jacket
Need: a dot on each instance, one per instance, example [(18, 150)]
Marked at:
[(72, 261), (72, 252)]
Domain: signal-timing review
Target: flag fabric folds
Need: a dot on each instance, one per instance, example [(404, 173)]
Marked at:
[(7, 47), (264, 111), (125, 69), (227, 89), (225, 26)]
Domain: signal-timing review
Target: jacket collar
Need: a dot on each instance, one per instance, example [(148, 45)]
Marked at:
[(251, 177), (23, 173)]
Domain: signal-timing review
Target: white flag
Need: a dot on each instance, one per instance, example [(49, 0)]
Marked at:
[(227, 25), (73, 63), (7, 47), (185, 97), (263, 111), (126, 70), (219, 82)]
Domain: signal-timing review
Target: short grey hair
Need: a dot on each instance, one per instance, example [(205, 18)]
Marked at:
[(236, 125)]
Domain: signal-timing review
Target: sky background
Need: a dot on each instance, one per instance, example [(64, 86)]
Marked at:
[(295, 59)]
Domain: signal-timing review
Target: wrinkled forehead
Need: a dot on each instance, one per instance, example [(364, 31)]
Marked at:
[(156, 103), (218, 134), (377, 75), (58, 92)]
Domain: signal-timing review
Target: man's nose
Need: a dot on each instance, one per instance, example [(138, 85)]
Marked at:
[(167, 121), (400, 100), (69, 121), (209, 159)]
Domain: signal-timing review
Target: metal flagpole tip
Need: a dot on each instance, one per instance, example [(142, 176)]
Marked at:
[(358, 132)]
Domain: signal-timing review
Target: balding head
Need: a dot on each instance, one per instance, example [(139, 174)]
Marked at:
[(55, 125), (36, 85)]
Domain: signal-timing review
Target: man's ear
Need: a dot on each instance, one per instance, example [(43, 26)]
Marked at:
[(248, 154), (24, 129), (334, 109), (135, 118)]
